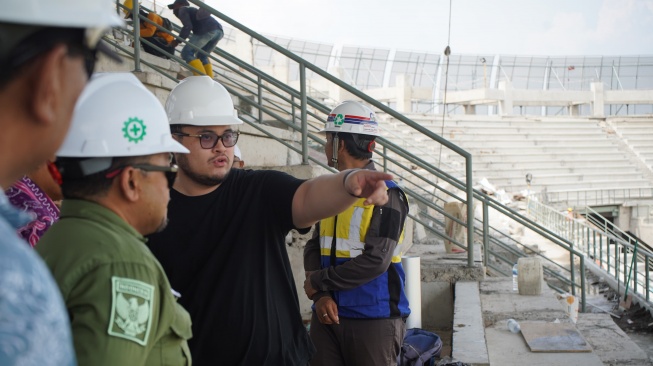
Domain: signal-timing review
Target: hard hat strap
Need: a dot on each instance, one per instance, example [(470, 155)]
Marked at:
[(334, 154)]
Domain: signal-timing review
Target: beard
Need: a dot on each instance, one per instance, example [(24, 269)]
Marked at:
[(205, 180)]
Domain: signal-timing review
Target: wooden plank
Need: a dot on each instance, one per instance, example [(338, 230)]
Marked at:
[(553, 337)]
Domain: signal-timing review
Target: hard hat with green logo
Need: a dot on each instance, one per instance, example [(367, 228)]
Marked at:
[(117, 116), (201, 101), (352, 117)]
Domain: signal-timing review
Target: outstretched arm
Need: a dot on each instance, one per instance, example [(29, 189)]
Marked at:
[(329, 195)]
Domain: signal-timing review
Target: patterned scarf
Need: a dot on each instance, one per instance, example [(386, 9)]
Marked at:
[(27, 196)]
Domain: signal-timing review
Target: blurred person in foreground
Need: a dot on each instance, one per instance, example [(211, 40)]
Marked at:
[(47, 52)]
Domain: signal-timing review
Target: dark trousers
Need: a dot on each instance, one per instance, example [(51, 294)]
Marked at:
[(159, 42), (357, 342)]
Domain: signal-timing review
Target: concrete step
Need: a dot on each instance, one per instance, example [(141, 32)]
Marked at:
[(558, 143), (648, 130), (541, 150), (555, 171), (607, 164), (534, 157), (517, 131), (586, 185)]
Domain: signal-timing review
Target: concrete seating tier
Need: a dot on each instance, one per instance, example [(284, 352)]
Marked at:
[(562, 153)]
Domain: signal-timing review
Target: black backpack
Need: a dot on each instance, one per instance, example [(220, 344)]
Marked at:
[(420, 348), (167, 24)]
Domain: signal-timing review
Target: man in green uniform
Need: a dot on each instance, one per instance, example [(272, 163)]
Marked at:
[(115, 164)]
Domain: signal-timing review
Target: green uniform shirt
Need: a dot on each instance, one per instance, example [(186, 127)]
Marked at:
[(122, 309)]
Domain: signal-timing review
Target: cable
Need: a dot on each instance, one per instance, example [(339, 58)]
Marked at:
[(447, 52)]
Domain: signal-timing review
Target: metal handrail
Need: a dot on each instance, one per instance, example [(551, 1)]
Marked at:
[(596, 245), (300, 100)]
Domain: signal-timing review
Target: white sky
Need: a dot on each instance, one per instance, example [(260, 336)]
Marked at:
[(488, 27)]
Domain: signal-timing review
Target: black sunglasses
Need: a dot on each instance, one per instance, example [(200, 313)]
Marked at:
[(169, 171), (208, 140)]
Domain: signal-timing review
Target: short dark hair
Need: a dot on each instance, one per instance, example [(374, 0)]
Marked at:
[(33, 42), (356, 146), (177, 128), (93, 185)]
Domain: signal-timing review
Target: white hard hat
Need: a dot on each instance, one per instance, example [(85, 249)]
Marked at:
[(61, 13), (237, 152), (352, 117), (201, 101), (117, 116)]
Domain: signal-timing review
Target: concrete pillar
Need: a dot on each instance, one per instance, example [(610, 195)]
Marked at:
[(530, 276), (598, 100), (403, 96), (574, 110), (623, 220), (505, 105), (281, 68), (470, 109), (335, 92), (241, 48)]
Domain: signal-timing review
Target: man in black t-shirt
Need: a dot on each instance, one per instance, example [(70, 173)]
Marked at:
[(224, 248)]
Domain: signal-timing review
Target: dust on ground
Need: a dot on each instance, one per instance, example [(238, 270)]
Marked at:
[(636, 321)]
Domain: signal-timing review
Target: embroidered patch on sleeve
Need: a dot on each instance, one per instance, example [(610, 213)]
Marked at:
[(131, 309)]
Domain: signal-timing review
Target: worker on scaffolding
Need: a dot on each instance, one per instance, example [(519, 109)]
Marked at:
[(207, 32), (161, 39)]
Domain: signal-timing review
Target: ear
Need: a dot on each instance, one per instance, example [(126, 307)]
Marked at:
[(129, 184), (48, 83), (341, 145)]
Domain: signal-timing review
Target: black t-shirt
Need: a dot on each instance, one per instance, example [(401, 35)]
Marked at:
[(225, 253)]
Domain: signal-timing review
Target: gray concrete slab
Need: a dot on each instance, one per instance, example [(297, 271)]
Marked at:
[(609, 342), (611, 346), (507, 349), (500, 302)]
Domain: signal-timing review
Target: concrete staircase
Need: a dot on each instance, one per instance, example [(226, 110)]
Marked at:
[(562, 153)]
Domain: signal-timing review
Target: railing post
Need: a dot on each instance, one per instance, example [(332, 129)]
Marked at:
[(385, 161), (304, 103), (635, 268), (648, 284), (260, 99), (625, 249), (292, 108), (571, 268), (470, 210), (582, 282), (137, 36), (486, 232)]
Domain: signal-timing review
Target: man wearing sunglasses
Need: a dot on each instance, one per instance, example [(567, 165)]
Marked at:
[(46, 52), (116, 176), (224, 248)]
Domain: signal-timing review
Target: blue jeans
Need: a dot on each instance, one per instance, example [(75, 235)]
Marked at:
[(206, 42)]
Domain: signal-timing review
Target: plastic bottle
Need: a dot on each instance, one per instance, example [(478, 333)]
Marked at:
[(513, 326), (514, 278)]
